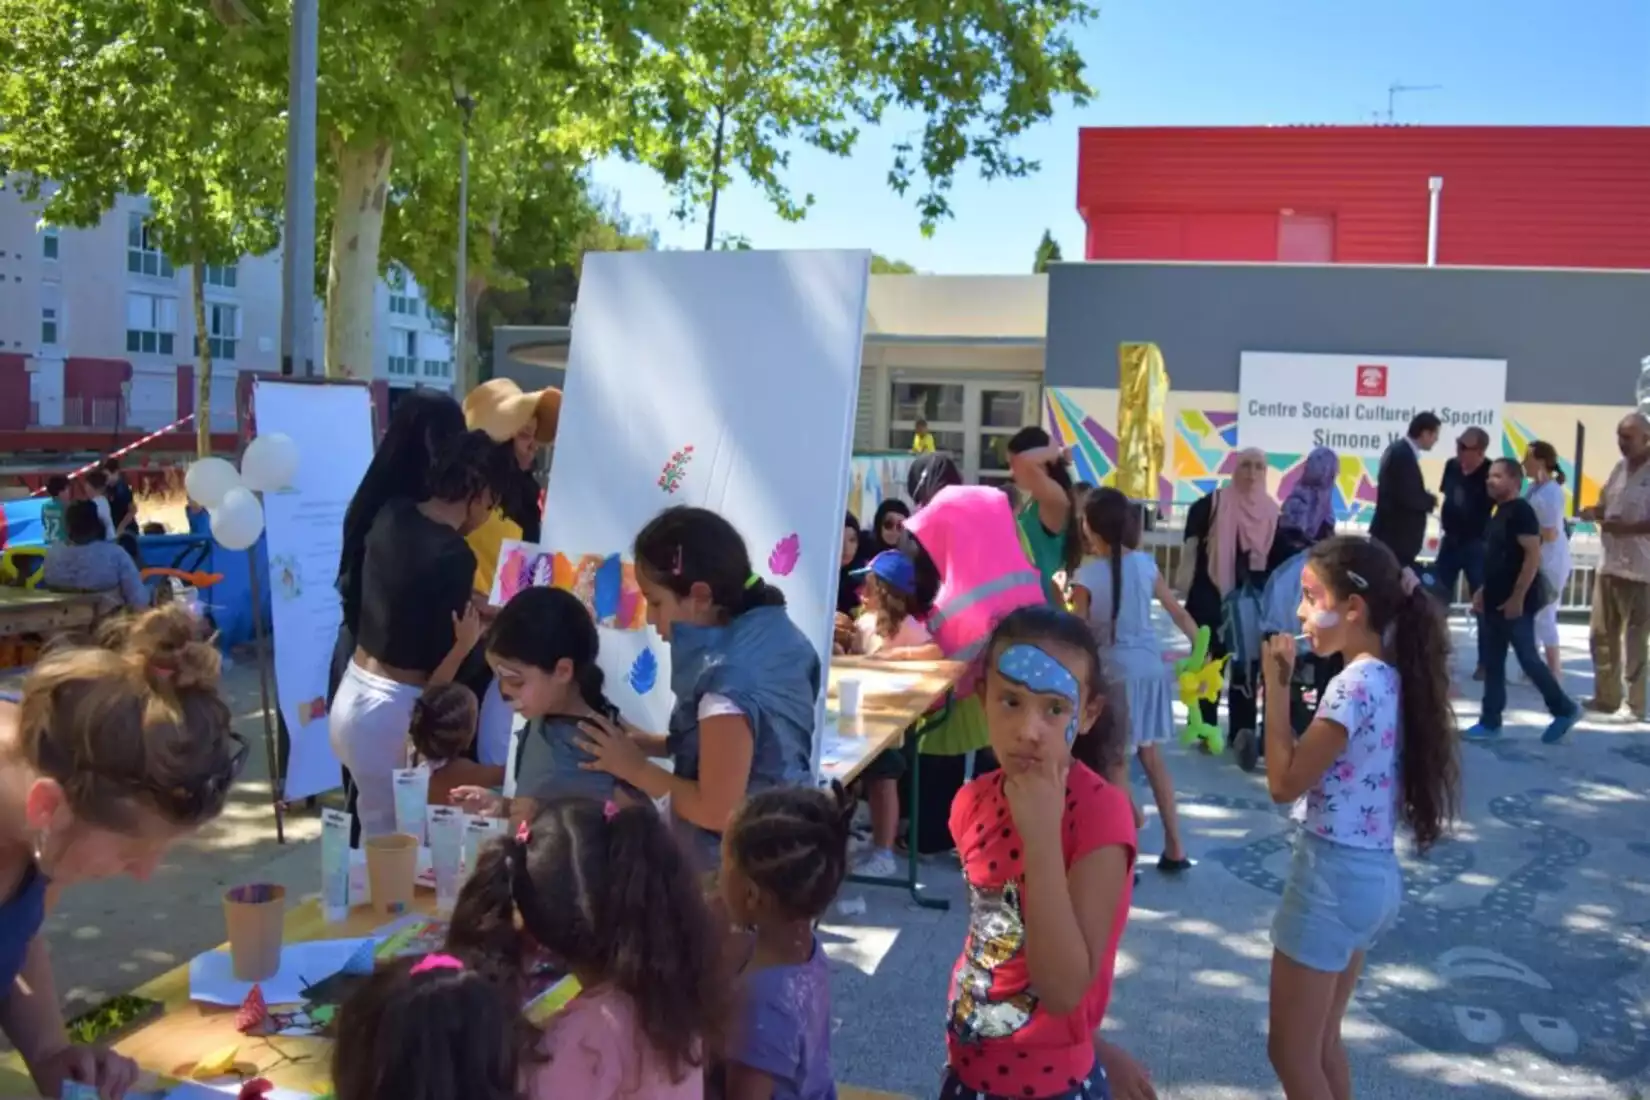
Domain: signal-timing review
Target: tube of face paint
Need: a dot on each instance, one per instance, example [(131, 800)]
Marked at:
[(334, 865)]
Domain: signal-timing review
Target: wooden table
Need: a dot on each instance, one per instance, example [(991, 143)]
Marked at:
[(894, 695), (37, 611)]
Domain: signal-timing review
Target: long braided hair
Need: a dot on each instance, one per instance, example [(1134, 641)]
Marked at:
[(792, 844)]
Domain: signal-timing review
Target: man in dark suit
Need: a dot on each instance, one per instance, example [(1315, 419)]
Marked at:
[(1402, 503)]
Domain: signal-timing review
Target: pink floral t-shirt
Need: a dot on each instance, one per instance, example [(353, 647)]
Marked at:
[(1356, 801), (596, 1051)]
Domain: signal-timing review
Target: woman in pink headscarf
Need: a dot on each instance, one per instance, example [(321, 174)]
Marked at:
[(1229, 536)]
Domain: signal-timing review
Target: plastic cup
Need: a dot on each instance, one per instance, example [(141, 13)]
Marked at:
[(847, 697), (255, 917), (392, 871)]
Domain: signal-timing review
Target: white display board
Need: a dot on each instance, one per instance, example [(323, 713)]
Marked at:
[(1289, 403), (332, 427), (725, 380)]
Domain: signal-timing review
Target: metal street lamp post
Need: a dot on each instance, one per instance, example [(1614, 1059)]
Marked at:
[(464, 378), (298, 228)]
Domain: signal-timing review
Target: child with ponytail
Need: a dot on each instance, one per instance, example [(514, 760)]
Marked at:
[(442, 729), (1382, 749), (1114, 590), (745, 679), (606, 892), (542, 649)]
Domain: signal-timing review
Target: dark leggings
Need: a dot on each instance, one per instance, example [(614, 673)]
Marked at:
[(1093, 1087)]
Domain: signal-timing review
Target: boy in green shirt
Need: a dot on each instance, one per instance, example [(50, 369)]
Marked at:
[(51, 513)]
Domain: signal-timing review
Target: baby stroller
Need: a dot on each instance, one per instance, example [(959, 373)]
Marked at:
[(1279, 613)]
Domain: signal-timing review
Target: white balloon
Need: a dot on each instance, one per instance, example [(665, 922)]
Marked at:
[(208, 479), (238, 520), (270, 462)]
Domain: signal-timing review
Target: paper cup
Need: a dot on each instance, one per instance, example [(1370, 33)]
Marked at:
[(392, 868), (255, 916), (847, 697)]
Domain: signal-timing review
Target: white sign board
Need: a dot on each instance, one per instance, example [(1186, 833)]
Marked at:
[(332, 426), (725, 380), (1289, 403)]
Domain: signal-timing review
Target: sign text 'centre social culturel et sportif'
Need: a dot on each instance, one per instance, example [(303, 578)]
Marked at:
[(1358, 404)]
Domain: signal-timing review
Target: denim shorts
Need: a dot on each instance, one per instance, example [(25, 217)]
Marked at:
[(1338, 901)]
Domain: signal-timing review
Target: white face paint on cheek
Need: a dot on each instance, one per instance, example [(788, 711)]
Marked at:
[(1323, 620)]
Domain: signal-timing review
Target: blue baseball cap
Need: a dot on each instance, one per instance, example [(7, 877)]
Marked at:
[(893, 569)]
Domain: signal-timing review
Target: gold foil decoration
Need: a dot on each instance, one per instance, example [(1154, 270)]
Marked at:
[(1143, 392)]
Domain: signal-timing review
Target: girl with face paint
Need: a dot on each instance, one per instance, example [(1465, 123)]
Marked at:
[(1381, 751), (1047, 847)]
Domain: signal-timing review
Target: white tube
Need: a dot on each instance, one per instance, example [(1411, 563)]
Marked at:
[(1435, 184)]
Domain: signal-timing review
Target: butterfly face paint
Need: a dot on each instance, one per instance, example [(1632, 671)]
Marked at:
[(1036, 671), (1326, 619)]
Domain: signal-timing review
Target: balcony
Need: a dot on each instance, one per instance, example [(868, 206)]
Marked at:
[(94, 413)]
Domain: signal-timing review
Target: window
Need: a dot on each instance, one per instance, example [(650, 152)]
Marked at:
[(48, 242), (437, 319), (222, 327), (48, 326), (973, 420), (438, 368), (221, 275), (150, 322), (403, 352), (143, 254), (406, 305)]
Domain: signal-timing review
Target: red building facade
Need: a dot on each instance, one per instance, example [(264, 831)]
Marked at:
[(1509, 197)]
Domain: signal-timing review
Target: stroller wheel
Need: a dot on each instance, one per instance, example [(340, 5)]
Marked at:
[(1247, 748)]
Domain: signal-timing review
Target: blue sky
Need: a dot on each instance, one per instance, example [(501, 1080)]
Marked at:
[(1212, 62)]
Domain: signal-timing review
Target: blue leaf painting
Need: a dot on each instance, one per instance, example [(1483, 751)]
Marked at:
[(644, 672), (605, 598)]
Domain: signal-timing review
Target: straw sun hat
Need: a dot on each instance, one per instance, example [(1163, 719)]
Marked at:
[(499, 408)]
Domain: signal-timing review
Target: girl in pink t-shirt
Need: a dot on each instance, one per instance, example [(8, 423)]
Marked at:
[(606, 892), (1047, 847)]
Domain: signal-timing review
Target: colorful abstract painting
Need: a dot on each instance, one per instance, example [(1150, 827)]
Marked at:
[(603, 583)]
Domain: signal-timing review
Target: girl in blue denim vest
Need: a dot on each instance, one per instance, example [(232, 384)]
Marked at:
[(745, 679)]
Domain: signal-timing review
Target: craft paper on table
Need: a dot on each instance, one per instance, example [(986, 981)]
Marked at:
[(412, 799), (212, 980), (215, 1090), (332, 428), (723, 380)]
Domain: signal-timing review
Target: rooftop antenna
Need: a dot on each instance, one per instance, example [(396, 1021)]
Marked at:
[(1395, 89)]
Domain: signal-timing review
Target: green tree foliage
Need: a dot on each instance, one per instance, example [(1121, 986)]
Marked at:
[(882, 265), (1048, 252), (104, 97), (746, 79), (543, 293)]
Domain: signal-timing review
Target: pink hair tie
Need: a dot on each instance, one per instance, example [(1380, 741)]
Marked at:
[(610, 809), (524, 833), (436, 962)]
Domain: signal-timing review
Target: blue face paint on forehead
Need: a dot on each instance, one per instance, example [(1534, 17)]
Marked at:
[(1036, 671)]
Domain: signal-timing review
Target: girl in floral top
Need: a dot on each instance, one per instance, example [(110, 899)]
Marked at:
[(1381, 749)]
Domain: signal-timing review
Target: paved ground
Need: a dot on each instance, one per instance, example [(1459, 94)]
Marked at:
[(1519, 967)]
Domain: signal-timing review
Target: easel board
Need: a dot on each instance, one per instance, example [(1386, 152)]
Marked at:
[(304, 528), (725, 380)]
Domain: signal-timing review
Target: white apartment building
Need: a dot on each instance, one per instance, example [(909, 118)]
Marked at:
[(104, 327)]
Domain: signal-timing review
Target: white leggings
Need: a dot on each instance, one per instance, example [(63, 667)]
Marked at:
[(368, 727)]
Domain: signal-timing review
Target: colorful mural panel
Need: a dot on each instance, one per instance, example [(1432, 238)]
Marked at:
[(1204, 442)]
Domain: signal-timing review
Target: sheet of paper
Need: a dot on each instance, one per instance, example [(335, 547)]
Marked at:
[(214, 1090), (212, 979)]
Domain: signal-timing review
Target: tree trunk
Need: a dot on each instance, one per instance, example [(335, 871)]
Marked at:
[(715, 175), (203, 360), (352, 267)]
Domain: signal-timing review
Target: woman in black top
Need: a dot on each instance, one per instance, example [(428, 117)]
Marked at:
[(423, 423), (417, 621)]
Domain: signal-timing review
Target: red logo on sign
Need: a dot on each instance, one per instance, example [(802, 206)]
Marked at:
[(1371, 381)]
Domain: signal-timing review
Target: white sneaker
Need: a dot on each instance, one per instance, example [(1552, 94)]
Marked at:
[(878, 863)]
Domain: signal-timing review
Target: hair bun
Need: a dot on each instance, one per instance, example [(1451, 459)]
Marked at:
[(165, 646)]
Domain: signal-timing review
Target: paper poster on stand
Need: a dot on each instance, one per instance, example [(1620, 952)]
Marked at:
[(725, 380), (332, 426)]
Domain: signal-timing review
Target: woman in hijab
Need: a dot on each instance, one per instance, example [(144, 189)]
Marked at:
[(854, 555), (1308, 513), (1229, 536), (886, 526)]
